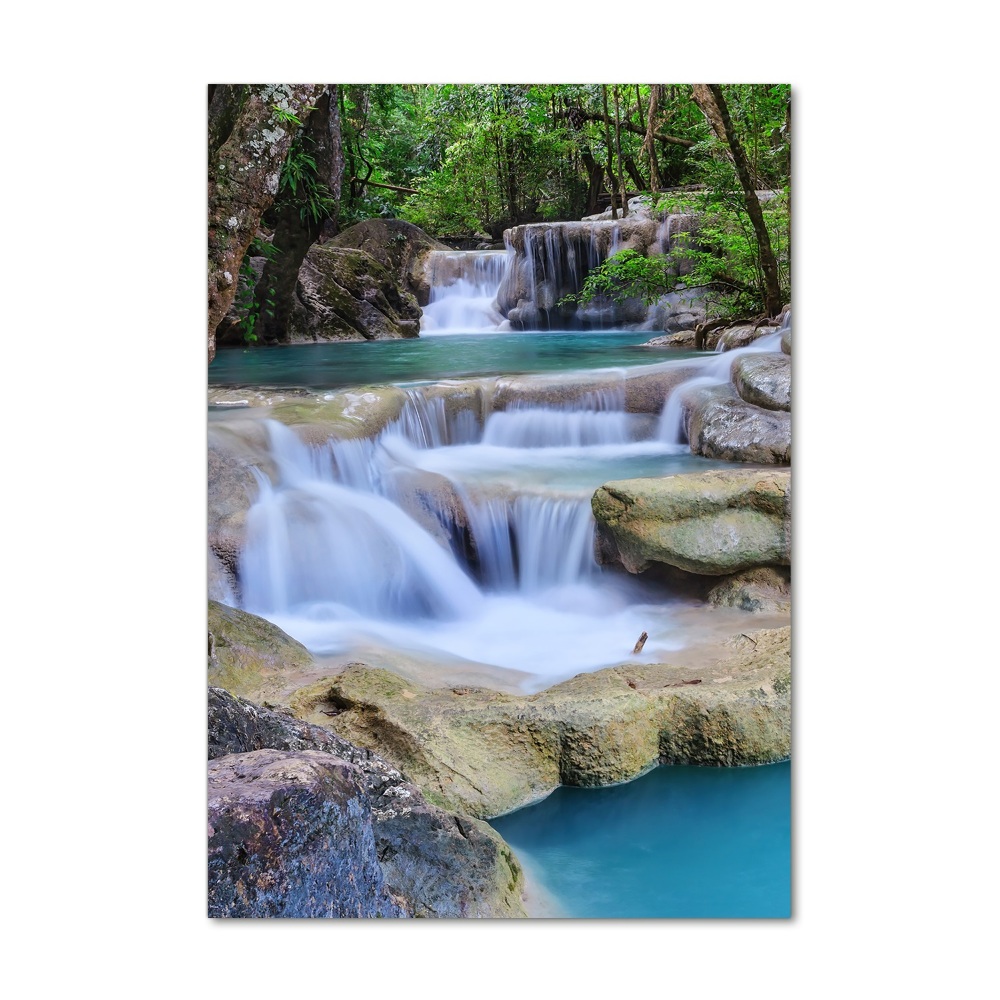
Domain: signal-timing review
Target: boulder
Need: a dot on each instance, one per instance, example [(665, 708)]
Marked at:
[(289, 835), (711, 523), (683, 338), (722, 425), (398, 246), (235, 448), (786, 340), (245, 652), (764, 589), (484, 752), (221, 580), (345, 294), (764, 380), (433, 863)]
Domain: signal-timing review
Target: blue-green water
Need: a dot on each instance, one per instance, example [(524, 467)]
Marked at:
[(336, 366), (677, 842)]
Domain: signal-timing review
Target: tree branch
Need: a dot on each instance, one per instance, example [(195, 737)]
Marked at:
[(592, 116)]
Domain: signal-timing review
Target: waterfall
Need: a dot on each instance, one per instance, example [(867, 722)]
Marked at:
[(596, 418), (543, 263), (712, 371), (463, 293), (313, 541), (458, 530), (530, 543)]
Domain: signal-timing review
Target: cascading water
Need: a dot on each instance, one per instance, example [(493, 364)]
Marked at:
[(713, 371), (311, 540), (463, 294), (334, 556)]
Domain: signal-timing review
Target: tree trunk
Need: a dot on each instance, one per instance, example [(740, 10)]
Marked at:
[(335, 181), (595, 177), (618, 150), (612, 183), (710, 99), (293, 235), (243, 178), (647, 144), (632, 169)]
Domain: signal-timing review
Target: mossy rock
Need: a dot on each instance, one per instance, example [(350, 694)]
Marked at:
[(398, 246), (712, 523), (344, 294), (345, 415), (484, 752), (245, 650)]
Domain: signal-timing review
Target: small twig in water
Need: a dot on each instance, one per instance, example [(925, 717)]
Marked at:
[(640, 643)]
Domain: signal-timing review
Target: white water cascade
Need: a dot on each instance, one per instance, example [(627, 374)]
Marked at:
[(311, 540), (336, 558), (712, 371), (463, 293)]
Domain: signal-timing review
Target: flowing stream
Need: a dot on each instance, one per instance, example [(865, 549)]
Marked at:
[(449, 537), (458, 533), (461, 535)]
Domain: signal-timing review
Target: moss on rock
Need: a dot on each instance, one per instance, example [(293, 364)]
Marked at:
[(484, 752), (712, 523)]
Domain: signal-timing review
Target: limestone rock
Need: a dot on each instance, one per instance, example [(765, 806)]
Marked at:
[(244, 650), (484, 752), (722, 425), (683, 338), (221, 580), (234, 450), (434, 863), (712, 523), (398, 246), (348, 414), (346, 294), (764, 380), (764, 589)]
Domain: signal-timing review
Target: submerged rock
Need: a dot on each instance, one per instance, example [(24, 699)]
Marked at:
[(431, 863), (484, 752), (346, 294), (712, 523)]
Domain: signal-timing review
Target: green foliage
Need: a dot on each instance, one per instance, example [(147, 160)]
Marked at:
[(484, 157), (286, 117), (246, 299), (626, 275), (300, 182)]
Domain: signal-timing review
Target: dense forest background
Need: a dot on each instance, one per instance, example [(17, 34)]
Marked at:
[(465, 162)]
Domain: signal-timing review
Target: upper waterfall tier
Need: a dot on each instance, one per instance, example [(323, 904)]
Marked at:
[(552, 260), (474, 290), (463, 290)]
